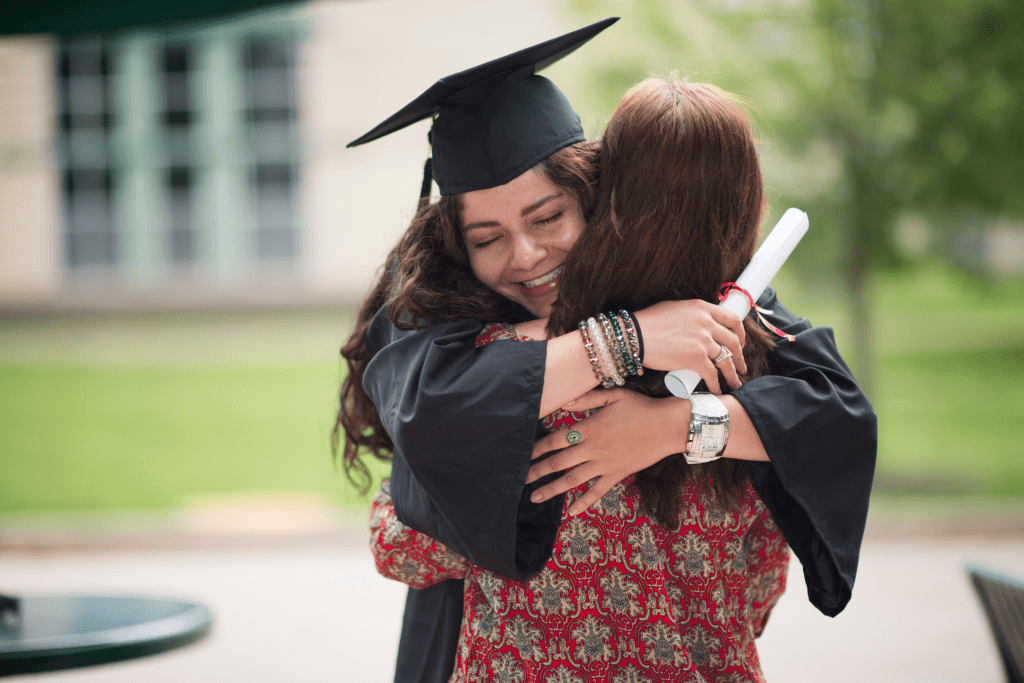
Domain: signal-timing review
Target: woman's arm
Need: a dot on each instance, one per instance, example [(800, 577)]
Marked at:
[(463, 421), (677, 334), (631, 433), (405, 555), (815, 425)]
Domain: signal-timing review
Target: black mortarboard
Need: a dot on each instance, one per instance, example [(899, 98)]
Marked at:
[(497, 120)]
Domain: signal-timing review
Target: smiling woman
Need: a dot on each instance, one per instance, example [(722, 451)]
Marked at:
[(517, 236)]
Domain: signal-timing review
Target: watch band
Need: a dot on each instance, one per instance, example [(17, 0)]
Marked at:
[(709, 429)]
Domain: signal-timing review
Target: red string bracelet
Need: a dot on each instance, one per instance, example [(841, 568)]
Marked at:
[(723, 294)]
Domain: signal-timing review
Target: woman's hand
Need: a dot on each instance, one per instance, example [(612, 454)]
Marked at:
[(688, 335), (631, 433)]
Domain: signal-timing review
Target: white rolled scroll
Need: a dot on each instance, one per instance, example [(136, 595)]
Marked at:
[(755, 279)]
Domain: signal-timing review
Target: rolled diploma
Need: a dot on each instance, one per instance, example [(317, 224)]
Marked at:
[(755, 278)]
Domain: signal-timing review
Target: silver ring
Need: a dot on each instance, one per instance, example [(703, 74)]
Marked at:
[(725, 353)]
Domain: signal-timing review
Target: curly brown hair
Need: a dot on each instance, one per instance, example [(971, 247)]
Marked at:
[(427, 280)]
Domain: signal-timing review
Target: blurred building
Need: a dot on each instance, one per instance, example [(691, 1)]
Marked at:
[(205, 165)]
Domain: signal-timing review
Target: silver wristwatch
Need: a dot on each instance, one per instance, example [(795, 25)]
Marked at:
[(709, 429)]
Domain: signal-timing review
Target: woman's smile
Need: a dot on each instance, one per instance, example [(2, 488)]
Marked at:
[(542, 286)]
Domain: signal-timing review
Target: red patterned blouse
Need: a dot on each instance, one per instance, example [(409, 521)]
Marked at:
[(621, 600)]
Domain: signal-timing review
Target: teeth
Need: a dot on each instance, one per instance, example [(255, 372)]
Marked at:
[(530, 284)]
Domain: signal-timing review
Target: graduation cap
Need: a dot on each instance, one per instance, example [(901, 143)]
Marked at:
[(495, 121)]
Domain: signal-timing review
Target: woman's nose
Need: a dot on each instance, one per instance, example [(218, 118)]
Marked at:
[(526, 253)]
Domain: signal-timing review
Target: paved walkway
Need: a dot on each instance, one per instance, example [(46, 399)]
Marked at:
[(322, 614)]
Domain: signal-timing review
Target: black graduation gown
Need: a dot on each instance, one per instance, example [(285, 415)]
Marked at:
[(464, 419)]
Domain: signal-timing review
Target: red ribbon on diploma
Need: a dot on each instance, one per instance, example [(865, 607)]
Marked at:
[(723, 294)]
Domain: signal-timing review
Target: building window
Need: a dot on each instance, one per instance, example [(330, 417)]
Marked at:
[(179, 151), (177, 64), (85, 120), (273, 171)]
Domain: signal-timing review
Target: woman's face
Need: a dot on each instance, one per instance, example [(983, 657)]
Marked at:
[(517, 236)]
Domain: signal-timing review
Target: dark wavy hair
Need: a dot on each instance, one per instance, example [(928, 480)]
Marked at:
[(427, 280)]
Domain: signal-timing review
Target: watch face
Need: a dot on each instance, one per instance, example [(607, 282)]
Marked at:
[(712, 438)]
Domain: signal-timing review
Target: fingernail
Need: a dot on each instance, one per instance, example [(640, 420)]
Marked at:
[(536, 497)]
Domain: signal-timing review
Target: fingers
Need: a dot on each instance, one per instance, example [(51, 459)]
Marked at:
[(733, 339), (552, 442), (725, 339), (568, 481), (570, 457), (727, 366), (709, 373), (598, 488), (595, 398), (729, 372), (727, 318)]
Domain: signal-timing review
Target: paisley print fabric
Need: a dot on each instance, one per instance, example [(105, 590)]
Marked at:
[(621, 600)]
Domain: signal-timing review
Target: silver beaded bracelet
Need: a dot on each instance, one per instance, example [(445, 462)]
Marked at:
[(608, 364)]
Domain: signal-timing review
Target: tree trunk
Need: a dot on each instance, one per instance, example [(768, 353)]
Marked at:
[(859, 218), (862, 359)]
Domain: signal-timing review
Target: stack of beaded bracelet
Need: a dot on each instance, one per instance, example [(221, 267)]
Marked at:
[(613, 355)]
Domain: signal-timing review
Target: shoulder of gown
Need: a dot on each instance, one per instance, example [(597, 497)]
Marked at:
[(463, 420)]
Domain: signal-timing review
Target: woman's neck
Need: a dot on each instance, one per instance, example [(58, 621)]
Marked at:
[(534, 329)]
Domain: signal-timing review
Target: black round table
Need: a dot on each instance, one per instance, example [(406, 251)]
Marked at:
[(51, 632)]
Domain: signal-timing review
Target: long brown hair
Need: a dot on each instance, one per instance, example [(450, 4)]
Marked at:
[(679, 206), (427, 280)]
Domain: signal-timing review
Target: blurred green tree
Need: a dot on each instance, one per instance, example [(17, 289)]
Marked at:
[(925, 108), (881, 117)]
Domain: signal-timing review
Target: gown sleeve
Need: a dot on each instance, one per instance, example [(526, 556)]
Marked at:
[(463, 420), (820, 433)]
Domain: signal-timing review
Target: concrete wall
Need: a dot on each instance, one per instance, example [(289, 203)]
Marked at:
[(29, 195)]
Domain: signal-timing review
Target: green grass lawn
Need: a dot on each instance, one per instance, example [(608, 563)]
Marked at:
[(85, 437), (950, 421), (127, 411), (149, 411)]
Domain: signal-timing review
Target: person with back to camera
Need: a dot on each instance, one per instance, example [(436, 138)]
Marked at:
[(461, 420)]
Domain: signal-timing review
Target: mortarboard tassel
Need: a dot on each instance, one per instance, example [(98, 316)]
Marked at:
[(428, 178)]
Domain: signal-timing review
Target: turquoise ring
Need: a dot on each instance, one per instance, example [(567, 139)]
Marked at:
[(573, 437)]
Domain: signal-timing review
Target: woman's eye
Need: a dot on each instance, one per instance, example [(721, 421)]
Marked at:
[(481, 245), (550, 219)]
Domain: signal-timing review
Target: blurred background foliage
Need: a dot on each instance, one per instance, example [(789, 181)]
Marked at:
[(896, 126)]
